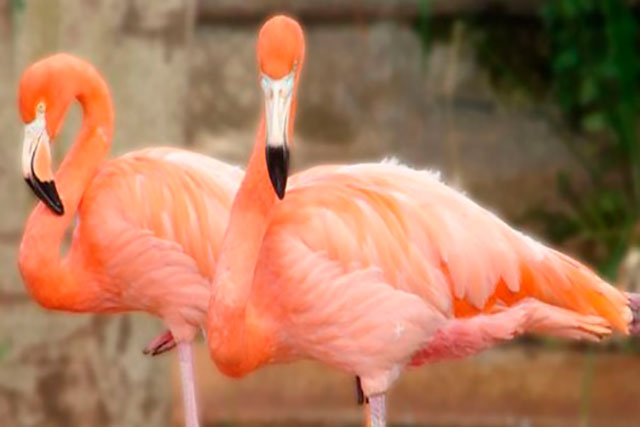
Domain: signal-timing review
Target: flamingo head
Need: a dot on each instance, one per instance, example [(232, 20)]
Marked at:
[(44, 96), (280, 57)]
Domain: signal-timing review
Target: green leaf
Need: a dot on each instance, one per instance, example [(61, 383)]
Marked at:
[(594, 122), (565, 60), (588, 91)]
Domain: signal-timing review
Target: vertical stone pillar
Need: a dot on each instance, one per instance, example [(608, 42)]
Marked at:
[(58, 369)]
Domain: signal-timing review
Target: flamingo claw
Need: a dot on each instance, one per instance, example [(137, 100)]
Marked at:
[(160, 344), (360, 397)]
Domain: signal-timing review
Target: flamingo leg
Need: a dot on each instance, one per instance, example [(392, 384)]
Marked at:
[(190, 408), (376, 411)]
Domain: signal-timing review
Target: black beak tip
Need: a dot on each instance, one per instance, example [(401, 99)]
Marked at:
[(278, 166), (58, 209), (46, 191), (280, 190)]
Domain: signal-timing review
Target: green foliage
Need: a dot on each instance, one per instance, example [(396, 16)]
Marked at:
[(422, 26), (513, 51), (515, 54), (595, 70)]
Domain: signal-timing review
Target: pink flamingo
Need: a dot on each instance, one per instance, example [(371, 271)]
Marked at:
[(149, 223), (374, 267)]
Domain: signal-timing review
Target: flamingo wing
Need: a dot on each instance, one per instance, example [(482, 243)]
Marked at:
[(431, 241), (157, 276), (176, 195), (351, 319), (152, 221)]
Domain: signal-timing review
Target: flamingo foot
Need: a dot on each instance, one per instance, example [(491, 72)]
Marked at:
[(160, 344), (360, 397), (189, 407), (376, 411)]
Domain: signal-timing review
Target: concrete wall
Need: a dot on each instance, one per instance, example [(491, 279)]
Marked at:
[(60, 369)]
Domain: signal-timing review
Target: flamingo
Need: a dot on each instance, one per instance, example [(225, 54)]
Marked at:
[(372, 268), (148, 224)]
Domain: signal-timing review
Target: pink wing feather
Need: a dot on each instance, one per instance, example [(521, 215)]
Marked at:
[(431, 240), (152, 222), (375, 266)]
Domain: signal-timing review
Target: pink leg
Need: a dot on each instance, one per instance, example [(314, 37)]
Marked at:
[(464, 337), (377, 411), (189, 407)]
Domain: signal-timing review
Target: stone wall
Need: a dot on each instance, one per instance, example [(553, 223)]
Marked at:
[(82, 370)]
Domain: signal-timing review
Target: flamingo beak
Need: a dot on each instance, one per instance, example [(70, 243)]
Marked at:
[(36, 164), (278, 95)]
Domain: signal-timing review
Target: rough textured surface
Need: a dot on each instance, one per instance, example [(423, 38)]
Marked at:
[(332, 11), (60, 369)]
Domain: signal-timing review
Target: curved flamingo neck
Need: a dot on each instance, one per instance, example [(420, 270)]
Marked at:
[(235, 345), (247, 224), (54, 281), (248, 221)]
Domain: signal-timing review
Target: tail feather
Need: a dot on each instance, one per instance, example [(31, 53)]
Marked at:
[(603, 298), (566, 283)]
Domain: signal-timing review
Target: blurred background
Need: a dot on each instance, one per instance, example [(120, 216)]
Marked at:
[(529, 106)]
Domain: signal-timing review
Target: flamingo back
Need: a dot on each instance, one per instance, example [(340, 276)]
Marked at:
[(430, 240)]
